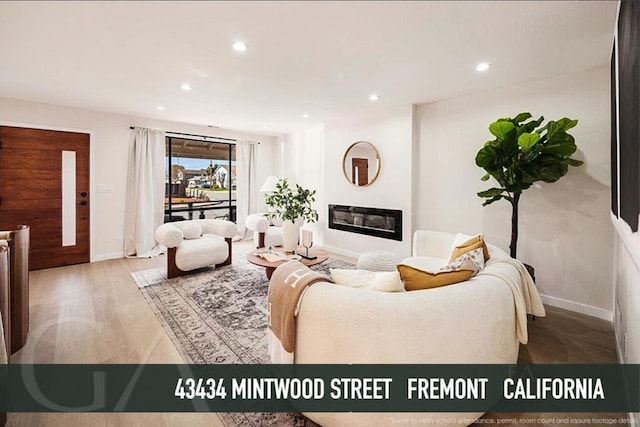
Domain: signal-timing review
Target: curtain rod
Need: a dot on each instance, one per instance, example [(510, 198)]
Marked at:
[(197, 136)]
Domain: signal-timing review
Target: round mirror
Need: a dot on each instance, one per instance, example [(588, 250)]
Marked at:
[(361, 164)]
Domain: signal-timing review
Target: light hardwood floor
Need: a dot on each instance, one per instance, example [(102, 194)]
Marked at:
[(94, 313)]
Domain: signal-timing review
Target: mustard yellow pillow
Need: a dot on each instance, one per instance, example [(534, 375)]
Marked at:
[(415, 279), (473, 243)]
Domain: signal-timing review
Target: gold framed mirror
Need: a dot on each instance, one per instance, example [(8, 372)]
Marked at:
[(361, 163)]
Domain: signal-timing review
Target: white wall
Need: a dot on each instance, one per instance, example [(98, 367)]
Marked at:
[(313, 158), (565, 231), (303, 157), (110, 139), (390, 131)]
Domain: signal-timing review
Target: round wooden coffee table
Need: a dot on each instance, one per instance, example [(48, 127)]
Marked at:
[(253, 258)]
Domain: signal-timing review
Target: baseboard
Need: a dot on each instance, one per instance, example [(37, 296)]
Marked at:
[(104, 257), (589, 310), (342, 252)]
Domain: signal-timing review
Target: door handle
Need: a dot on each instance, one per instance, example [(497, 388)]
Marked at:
[(83, 203), (83, 194)]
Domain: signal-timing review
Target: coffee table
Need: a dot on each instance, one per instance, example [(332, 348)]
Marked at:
[(253, 258)]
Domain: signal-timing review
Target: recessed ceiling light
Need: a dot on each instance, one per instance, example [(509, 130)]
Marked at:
[(374, 97), (483, 66), (186, 87), (239, 46), (305, 115), (160, 108)]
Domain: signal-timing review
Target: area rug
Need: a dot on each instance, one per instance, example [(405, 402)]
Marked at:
[(220, 316)]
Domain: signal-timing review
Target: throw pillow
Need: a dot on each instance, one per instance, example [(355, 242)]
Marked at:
[(415, 279), (473, 259), (352, 278), (387, 281), (192, 231), (474, 242)]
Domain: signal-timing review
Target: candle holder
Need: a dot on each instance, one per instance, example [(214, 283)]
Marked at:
[(307, 242)]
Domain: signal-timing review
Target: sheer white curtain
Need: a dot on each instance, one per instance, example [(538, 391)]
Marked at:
[(246, 193), (144, 211)]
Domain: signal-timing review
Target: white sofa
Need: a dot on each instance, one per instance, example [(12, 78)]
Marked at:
[(468, 322), (266, 232), (196, 244)]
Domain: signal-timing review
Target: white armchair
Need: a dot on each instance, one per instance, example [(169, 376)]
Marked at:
[(266, 232), (196, 244)]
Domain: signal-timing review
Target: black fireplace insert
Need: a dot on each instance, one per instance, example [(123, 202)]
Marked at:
[(385, 223)]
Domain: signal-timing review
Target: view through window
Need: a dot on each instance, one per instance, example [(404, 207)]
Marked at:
[(200, 180)]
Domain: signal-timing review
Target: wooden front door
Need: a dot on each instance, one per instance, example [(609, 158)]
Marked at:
[(360, 171), (44, 183)]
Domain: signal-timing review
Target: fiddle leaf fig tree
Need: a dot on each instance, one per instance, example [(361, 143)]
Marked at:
[(523, 152)]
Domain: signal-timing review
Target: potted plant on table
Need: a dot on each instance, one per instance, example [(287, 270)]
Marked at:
[(293, 207), (522, 153)]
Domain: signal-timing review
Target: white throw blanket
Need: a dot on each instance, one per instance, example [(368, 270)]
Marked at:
[(525, 294)]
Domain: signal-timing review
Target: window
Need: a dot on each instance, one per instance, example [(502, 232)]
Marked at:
[(200, 180)]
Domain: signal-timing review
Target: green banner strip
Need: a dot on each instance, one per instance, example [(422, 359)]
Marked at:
[(320, 388)]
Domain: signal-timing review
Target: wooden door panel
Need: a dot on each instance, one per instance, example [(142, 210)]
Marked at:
[(12, 158), (360, 168), (28, 134), (41, 174), (29, 187), (31, 192), (17, 215), (12, 203)]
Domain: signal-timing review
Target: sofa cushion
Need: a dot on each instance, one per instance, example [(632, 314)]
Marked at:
[(464, 243), (197, 253), (192, 230), (384, 281)]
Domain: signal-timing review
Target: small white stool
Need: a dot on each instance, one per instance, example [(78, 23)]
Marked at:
[(378, 261)]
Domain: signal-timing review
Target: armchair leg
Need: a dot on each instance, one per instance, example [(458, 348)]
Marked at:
[(260, 240), (228, 260), (172, 268)]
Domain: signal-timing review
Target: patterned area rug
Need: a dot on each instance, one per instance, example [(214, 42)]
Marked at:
[(220, 316)]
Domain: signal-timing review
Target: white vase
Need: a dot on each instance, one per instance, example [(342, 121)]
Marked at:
[(291, 234)]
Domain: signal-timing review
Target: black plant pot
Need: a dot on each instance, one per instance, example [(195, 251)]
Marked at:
[(531, 270)]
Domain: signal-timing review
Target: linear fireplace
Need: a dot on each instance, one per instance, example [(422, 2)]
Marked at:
[(385, 223)]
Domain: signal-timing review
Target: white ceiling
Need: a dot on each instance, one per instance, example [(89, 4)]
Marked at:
[(320, 58)]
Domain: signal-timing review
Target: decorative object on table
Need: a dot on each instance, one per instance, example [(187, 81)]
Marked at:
[(272, 259), (361, 163), (293, 208), (307, 242), (522, 153)]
